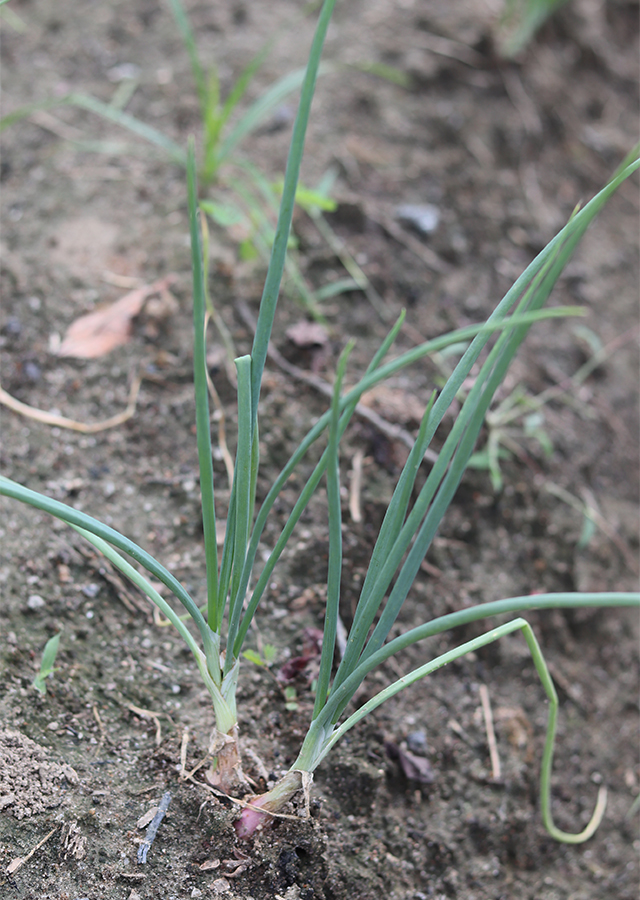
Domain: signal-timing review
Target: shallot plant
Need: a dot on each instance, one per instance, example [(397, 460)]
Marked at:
[(216, 635)]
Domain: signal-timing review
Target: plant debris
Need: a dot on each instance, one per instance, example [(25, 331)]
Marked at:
[(98, 333)]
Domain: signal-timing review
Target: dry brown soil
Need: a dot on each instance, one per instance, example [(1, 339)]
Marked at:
[(504, 151)]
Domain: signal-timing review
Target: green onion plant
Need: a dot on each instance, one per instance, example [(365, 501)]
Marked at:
[(217, 635)]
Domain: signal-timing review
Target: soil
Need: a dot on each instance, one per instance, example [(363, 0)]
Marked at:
[(503, 150)]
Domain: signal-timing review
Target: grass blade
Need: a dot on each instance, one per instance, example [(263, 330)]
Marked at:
[(242, 482), (188, 39), (471, 646), (269, 299), (203, 429), (449, 469), (368, 602), (240, 87), (84, 101), (79, 519), (445, 477), (47, 663), (141, 582), (125, 120), (518, 605), (334, 575), (262, 107), (306, 494)]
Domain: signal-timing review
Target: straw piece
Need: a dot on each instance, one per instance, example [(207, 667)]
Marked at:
[(496, 769), (48, 418)]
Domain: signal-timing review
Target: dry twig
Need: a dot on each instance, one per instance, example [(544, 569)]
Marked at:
[(47, 418), (18, 863), (496, 769)]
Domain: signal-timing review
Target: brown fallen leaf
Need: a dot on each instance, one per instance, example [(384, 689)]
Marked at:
[(311, 649), (311, 343), (395, 404), (414, 768), (209, 864), (308, 334), (97, 333)]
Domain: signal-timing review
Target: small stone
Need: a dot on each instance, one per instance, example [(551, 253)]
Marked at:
[(35, 601), (32, 371), (417, 742), (425, 218), (13, 327), (123, 72)]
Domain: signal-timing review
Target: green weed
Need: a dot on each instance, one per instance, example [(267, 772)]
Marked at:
[(521, 20), (47, 663)]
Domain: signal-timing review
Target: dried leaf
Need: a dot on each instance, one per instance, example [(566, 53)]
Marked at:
[(414, 768), (291, 668), (209, 864), (518, 727), (311, 648), (308, 334), (310, 345), (394, 404), (97, 333), (144, 820)]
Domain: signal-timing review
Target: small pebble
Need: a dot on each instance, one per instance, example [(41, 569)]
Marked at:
[(35, 601), (417, 742), (123, 72), (282, 117), (425, 218), (32, 371), (13, 327)]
